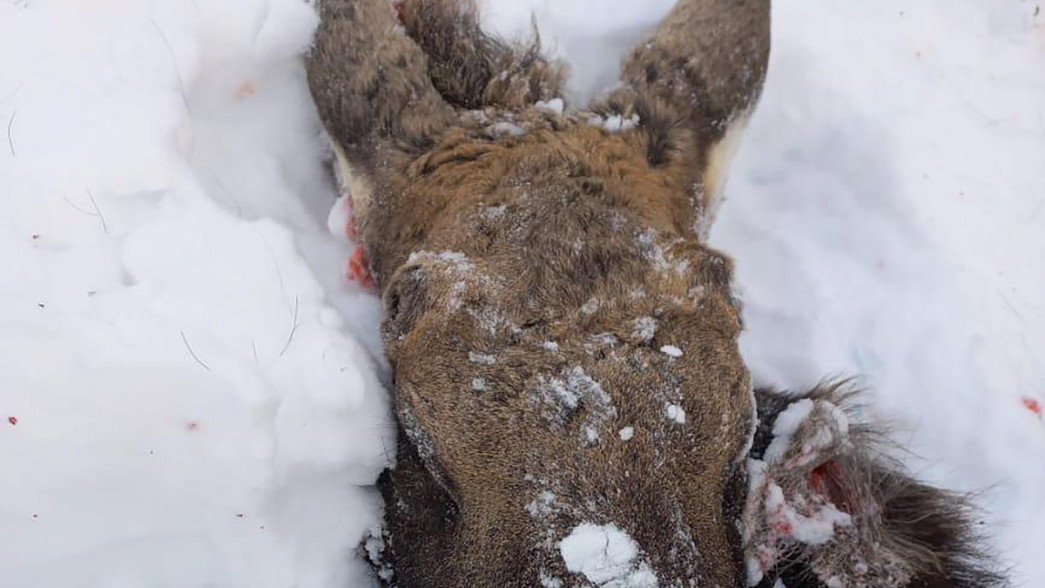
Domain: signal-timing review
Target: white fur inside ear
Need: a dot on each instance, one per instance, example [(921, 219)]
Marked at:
[(717, 172), (354, 184)]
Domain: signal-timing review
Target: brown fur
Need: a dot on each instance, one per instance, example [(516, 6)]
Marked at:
[(533, 266), (904, 533)]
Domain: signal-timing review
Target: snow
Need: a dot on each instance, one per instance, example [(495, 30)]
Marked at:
[(555, 105), (197, 391), (606, 556), (671, 351), (815, 527), (615, 123), (627, 433), (785, 426), (481, 358), (193, 392), (676, 413), (645, 328)]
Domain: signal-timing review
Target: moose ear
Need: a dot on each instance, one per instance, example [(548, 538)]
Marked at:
[(707, 62), (825, 502), (473, 69), (370, 83), (694, 85)]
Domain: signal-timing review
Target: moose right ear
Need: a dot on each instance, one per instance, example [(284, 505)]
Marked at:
[(370, 83), (825, 502)]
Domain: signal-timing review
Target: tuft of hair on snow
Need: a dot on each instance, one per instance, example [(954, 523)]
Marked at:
[(828, 507)]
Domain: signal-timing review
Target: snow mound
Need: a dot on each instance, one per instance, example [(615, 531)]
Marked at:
[(194, 392), (606, 556)]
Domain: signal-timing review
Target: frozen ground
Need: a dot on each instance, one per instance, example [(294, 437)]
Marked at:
[(190, 391)]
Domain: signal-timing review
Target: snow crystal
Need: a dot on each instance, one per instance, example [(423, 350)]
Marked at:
[(493, 212), (577, 385), (627, 433), (548, 581), (542, 506), (481, 358), (454, 257), (671, 351), (645, 328), (676, 413), (606, 556), (563, 396), (591, 435), (479, 384)]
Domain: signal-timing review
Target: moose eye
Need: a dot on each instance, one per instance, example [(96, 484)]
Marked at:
[(405, 301)]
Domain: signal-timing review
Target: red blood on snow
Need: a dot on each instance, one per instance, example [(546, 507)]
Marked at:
[(358, 270), (1033, 406), (12, 420)]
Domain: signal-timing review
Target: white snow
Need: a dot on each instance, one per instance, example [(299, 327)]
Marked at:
[(615, 123), (676, 413), (195, 389), (816, 526), (192, 391), (481, 358), (555, 105), (671, 351), (645, 328), (606, 556), (627, 433), (542, 506), (785, 426)]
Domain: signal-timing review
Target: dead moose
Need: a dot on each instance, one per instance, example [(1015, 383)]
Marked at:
[(572, 404)]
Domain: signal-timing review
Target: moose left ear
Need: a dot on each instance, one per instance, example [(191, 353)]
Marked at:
[(693, 85), (827, 507)]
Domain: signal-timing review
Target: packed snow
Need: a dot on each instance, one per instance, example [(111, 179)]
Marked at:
[(193, 391), (671, 351), (606, 556), (675, 413)]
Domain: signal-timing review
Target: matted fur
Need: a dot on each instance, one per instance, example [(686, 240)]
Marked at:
[(547, 289), (903, 532)]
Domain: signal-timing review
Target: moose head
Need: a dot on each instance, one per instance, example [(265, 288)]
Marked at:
[(573, 407)]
